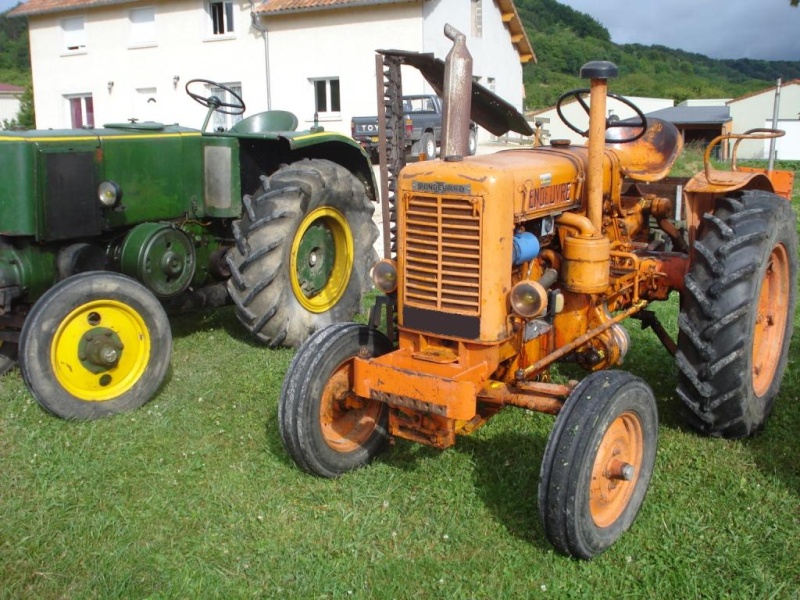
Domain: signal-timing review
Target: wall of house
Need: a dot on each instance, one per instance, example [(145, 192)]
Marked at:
[(9, 108), (752, 111), (788, 146), (183, 49), (495, 60), (339, 43), (146, 82)]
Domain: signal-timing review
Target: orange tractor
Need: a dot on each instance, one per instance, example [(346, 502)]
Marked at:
[(509, 263)]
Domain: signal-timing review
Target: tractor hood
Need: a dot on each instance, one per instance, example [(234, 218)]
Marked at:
[(531, 182)]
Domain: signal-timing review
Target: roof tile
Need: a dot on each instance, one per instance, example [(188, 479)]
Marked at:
[(41, 7), (7, 87)]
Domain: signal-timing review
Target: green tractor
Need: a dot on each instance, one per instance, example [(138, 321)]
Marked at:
[(103, 230)]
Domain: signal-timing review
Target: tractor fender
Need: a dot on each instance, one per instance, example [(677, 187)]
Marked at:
[(722, 182)]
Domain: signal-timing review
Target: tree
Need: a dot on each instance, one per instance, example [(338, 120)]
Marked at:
[(26, 117)]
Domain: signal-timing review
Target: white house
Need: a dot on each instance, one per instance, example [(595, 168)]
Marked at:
[(101, 61), (755, 110), (10, 96)]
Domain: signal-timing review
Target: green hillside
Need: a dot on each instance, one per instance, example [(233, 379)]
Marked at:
[(564, 39), (15, 65)]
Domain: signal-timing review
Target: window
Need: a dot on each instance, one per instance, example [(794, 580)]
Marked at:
[(419, 105), (326, 96), (81, 111), (477, 17), (221, 121), (74, 34), (143, 26), (221, 14)]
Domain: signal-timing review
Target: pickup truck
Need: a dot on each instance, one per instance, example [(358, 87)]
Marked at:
[(422, 127)]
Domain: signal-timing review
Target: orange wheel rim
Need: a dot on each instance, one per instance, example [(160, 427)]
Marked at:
[(347, 420), (770, 325), (616, 469)]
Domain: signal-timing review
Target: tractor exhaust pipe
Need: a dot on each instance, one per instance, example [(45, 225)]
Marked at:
[(457, 96), (599, 72)]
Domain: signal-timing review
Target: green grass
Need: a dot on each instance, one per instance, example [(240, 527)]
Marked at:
[(193, 496)]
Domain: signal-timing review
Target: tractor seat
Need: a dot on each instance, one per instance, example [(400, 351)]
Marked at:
[(651, 156), (270, 120)]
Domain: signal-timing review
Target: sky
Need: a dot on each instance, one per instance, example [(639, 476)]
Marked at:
[(761, 29)]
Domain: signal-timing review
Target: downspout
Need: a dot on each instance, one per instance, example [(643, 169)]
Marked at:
[(775, 111), (256, 22)]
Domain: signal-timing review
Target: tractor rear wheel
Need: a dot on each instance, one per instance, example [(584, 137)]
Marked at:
[(598, 462), (94, 345), (304, 248), (736, 315), (325, 427)]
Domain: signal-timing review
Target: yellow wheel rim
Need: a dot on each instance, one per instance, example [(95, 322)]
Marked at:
[(322, 259), (100, 383)]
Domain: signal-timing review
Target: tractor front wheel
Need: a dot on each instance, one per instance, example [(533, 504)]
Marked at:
[(95, 344), (597, 463), (736, 315), (325, 427), (304, 248)]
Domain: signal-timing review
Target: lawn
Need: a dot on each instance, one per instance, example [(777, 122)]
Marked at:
[(193, 496)]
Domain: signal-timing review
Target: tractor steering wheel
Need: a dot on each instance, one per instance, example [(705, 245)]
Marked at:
[(214, 102), (581, 94)]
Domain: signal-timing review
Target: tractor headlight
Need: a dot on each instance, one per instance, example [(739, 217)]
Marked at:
[(109, 193), (384, 274), (528, 299)]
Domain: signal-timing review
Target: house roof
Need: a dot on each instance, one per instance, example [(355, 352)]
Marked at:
[(693, 115), (41, 7), (8, 88), (508, 11), (295, 6), (764, 91)]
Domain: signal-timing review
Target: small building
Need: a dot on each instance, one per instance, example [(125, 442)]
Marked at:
[(699, 123), (548, 122), (100, 61), (10, 99), (755, 110)]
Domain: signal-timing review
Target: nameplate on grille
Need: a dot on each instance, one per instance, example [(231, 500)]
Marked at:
[(441, 188)]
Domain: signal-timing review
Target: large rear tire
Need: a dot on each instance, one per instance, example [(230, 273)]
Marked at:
[(304, 248), (736, 315), (597, 463), (95, 344), (325, 427)]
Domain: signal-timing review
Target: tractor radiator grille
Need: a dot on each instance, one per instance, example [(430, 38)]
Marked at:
[(442, 270)]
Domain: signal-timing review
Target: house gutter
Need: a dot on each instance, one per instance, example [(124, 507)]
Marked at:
[(255, 19), (776, 109)]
